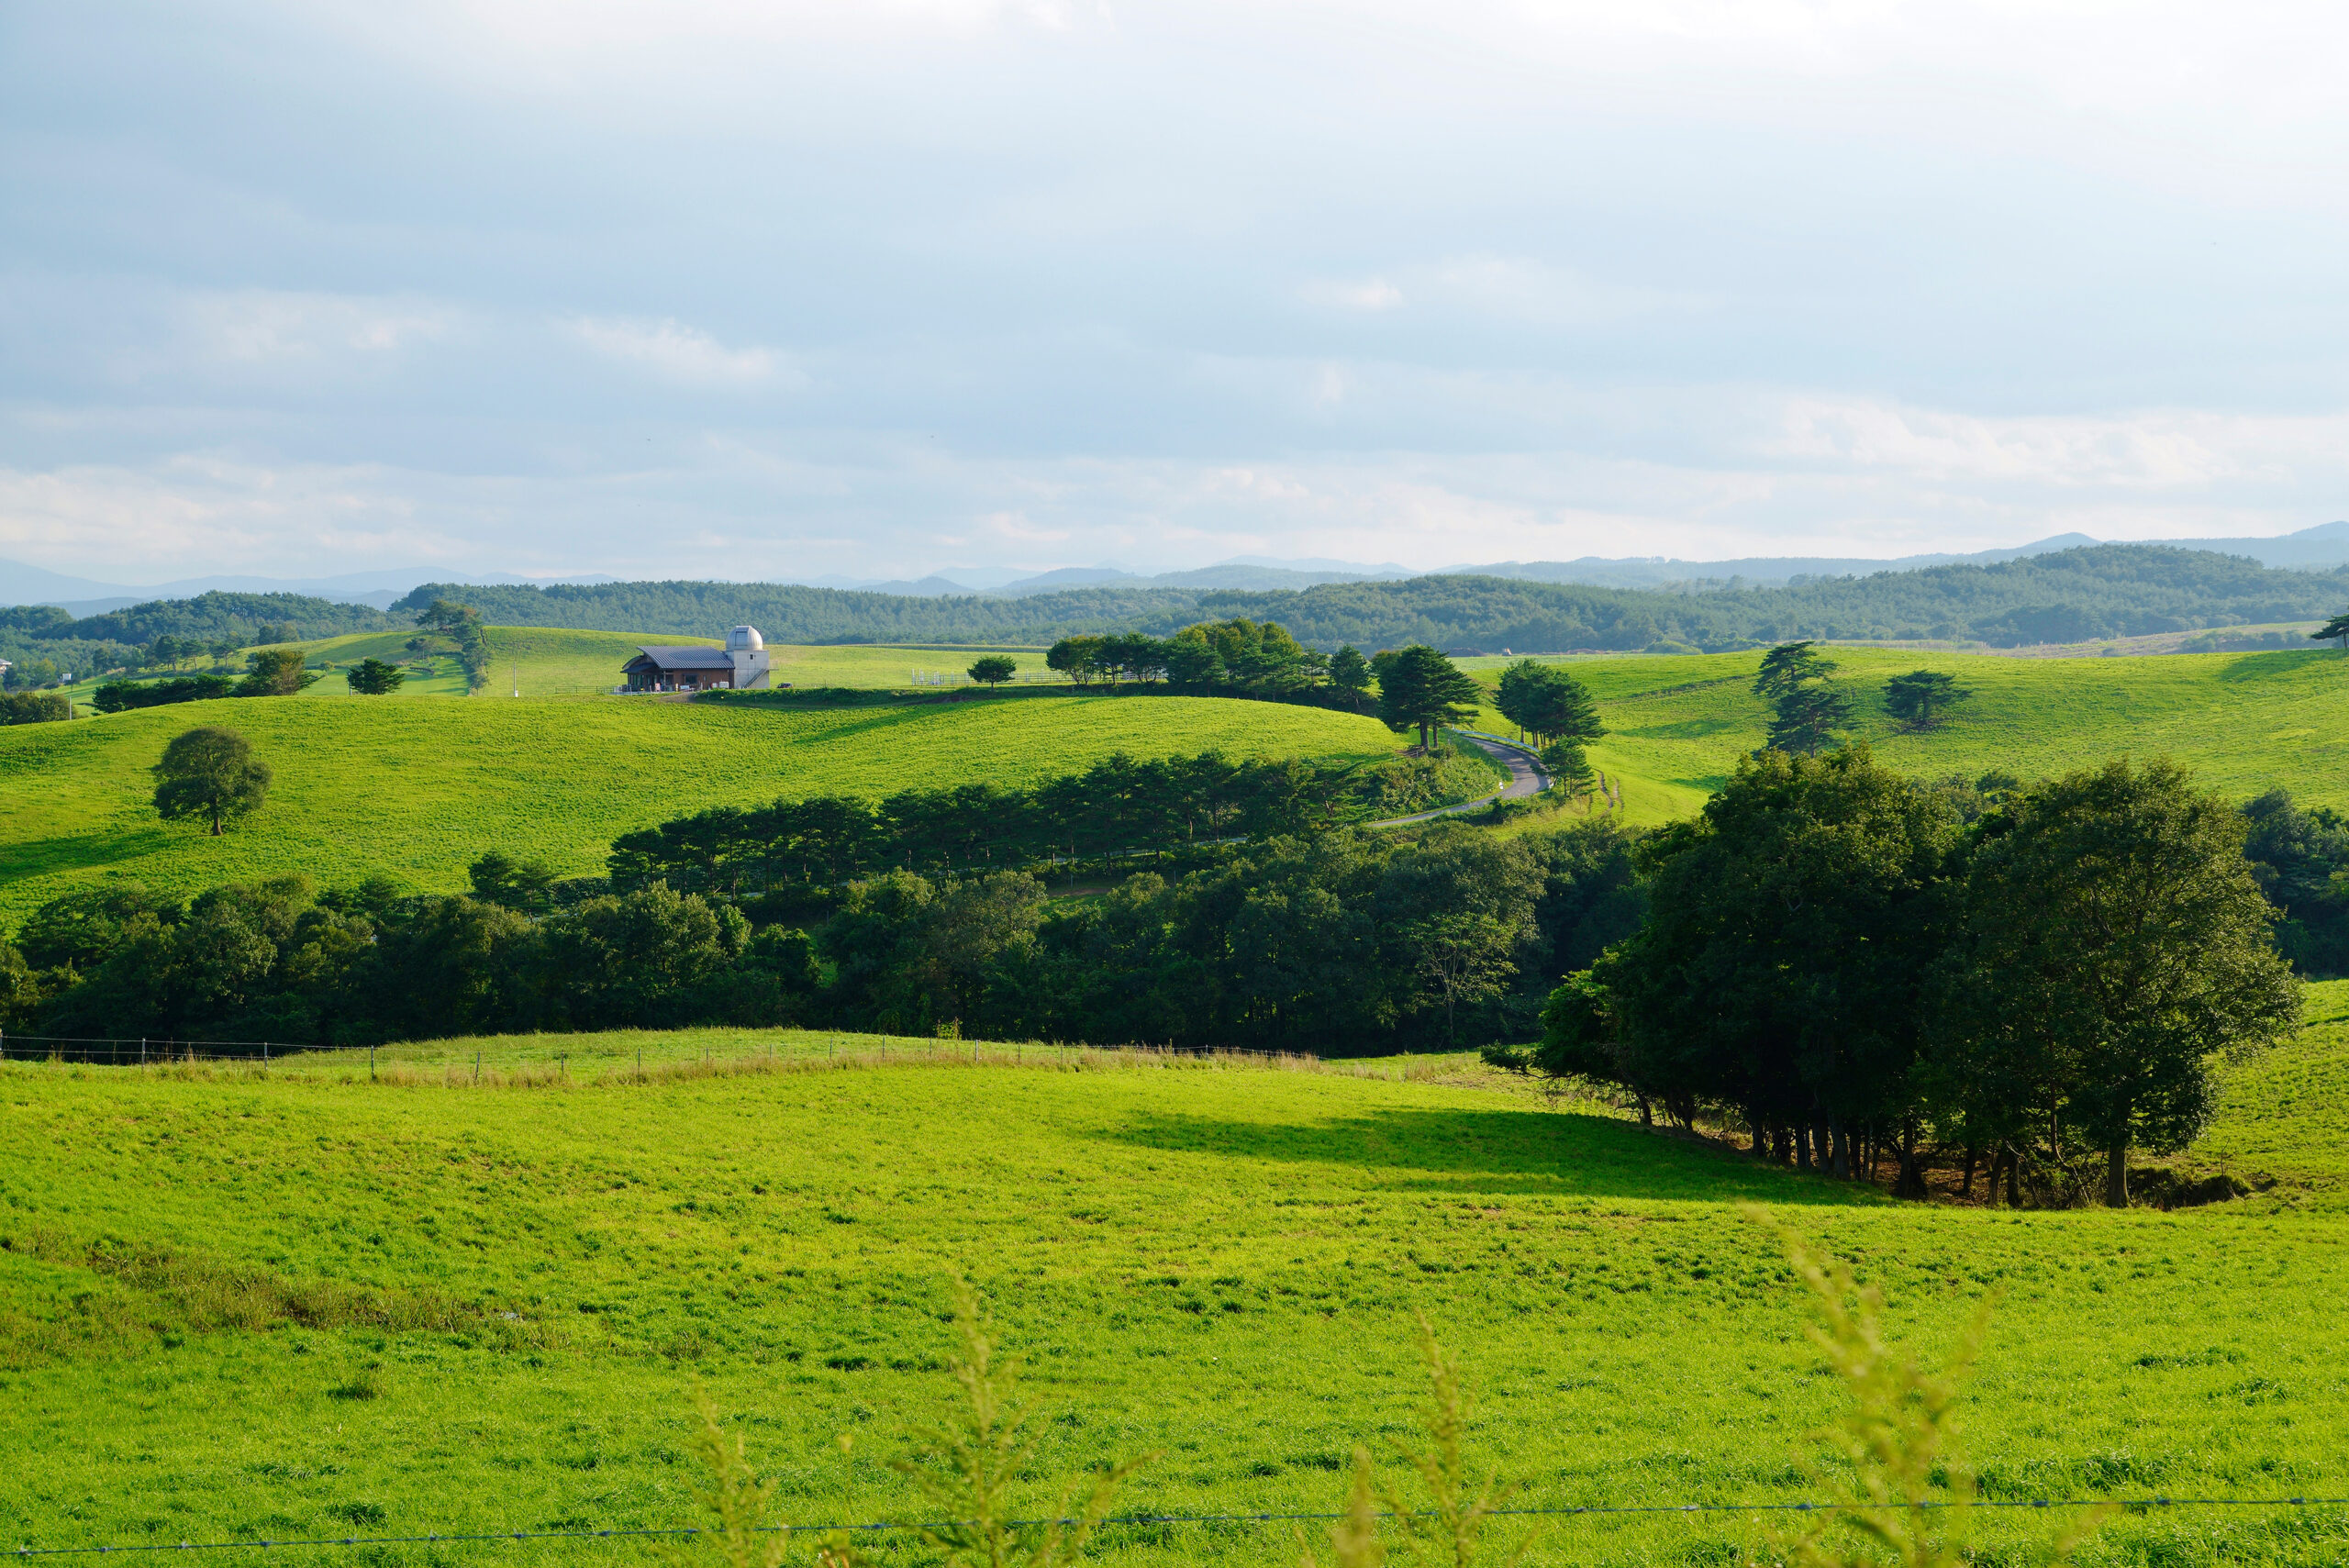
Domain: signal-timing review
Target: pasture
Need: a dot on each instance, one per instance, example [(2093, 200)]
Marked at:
[(238, 1304), (2244, 723), (417, 790)]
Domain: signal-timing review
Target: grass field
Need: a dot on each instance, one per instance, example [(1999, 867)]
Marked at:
[(2244, 722), (417, 790), (205, 1280)]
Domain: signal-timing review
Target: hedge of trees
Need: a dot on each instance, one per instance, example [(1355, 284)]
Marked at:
[(1834, 953), (1346, 941), (1120, 806)]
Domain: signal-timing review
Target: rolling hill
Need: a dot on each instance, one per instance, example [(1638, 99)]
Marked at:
[(2244, 722), (416, 789), (440, 1308)]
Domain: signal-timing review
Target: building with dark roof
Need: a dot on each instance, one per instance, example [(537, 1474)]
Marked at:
[(743, 664)]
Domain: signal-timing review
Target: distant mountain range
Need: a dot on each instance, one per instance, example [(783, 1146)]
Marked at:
[(22, 585), (2325, 545), (2318, 548)]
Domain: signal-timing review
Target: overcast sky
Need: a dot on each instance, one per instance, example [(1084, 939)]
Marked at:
[(699, 288)]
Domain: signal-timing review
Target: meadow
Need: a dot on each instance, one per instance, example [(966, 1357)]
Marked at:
[(237, 1305), (2244, 723), (417, 790)]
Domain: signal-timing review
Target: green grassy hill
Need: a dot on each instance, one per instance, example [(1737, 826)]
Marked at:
[(419, 789), (2244, 722), (270, 1307)]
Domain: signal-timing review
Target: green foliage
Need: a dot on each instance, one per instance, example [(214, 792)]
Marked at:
[(34, 707), (120, 696), (1569, 768), (372, 677), (1790, 666), (1419, 688), (1805, 711), (275, 672), (1922, 699), (2337, 626), (994, 669), (1547, 703), (2114, 943), (209, 773), (2300, 859), (1450, 1527)]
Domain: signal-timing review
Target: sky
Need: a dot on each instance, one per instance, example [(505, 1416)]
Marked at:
[(781, 290)]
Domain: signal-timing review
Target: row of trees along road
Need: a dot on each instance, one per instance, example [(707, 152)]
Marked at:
[(1831, 952)]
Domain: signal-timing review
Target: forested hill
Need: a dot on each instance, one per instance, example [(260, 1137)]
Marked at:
[(119, 638), (2102, 591)]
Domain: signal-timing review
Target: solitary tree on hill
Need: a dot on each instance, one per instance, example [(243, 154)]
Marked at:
[(994, 669), (372, 677), (209, 773), (1920, 698), (1418, 687), (1789, 665), (2337, 626)]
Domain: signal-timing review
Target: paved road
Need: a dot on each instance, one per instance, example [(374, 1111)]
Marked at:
[(1525, 777)]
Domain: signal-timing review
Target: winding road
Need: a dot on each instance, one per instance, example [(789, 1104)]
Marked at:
[(1525, 778)]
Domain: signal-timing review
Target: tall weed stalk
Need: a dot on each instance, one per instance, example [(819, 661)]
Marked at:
[(1909, 1496)]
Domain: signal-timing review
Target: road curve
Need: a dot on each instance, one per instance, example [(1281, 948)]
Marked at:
[(1525, 778)]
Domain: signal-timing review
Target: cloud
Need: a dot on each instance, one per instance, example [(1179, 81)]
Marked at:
[(679, 354), (266, 328), (1368, 295)]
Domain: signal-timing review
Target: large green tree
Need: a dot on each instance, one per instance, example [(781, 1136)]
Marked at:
[(2337, 626), (1922, 699), (994, 669), (2114, 947), (1419, 688), (1547, 703), (1805, 717), (1789, 665), (1790, 929), (372, 677), (210, 773)]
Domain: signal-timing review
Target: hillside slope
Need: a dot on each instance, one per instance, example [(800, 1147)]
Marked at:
[(2245, 723), (421, 1308), (417, 789)]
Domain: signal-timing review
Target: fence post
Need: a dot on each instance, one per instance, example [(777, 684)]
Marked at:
[(476, 1065), (142, 1050), (371, 1065), (265, 1052)]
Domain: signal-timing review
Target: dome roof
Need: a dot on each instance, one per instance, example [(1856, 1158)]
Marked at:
[(745, 640)]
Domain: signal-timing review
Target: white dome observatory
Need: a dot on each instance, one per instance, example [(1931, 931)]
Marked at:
[(752, 663)]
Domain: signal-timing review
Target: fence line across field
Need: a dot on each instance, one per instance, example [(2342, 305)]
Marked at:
[(885, 1526), (126, 1052)]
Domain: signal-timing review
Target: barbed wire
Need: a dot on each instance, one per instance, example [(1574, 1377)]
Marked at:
[(1270, 1517)]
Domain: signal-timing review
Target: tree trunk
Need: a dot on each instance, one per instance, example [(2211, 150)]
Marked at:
[(1647, 1117), (2014, 1178), (1841, 1138), (1972, 1154), (1911, 1182), (2116, 1175), (1802, 1147)]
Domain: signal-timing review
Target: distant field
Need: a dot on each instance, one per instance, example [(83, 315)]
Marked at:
[(1220, 1262), (2244, 722), (419, 789)]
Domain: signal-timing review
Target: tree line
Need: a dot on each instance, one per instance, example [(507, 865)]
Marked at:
[(1838, 957), (2067, 596), (1345, 941), (44, 641), (1120, 806)]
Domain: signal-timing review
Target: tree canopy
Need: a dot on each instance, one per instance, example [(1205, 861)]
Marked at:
[(1419, 688), (1547, 703), (372, 677), (209, 773)]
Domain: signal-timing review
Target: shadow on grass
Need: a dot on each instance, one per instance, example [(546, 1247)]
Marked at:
[(1681, 729), (1524, 1152), (79, 851), (2276, 663)]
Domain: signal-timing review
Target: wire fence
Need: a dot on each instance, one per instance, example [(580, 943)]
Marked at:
[(2131, 1505), (643, 1053)]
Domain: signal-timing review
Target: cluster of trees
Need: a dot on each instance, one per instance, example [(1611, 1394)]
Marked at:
[(1120, 806), (1547, 704), (2105, 590), (2302, 861), (1835, 953), (445, 626), (1343, 942), (45, 641), (1805, 708), (1238, 657), (269, 672), (34, 707)]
